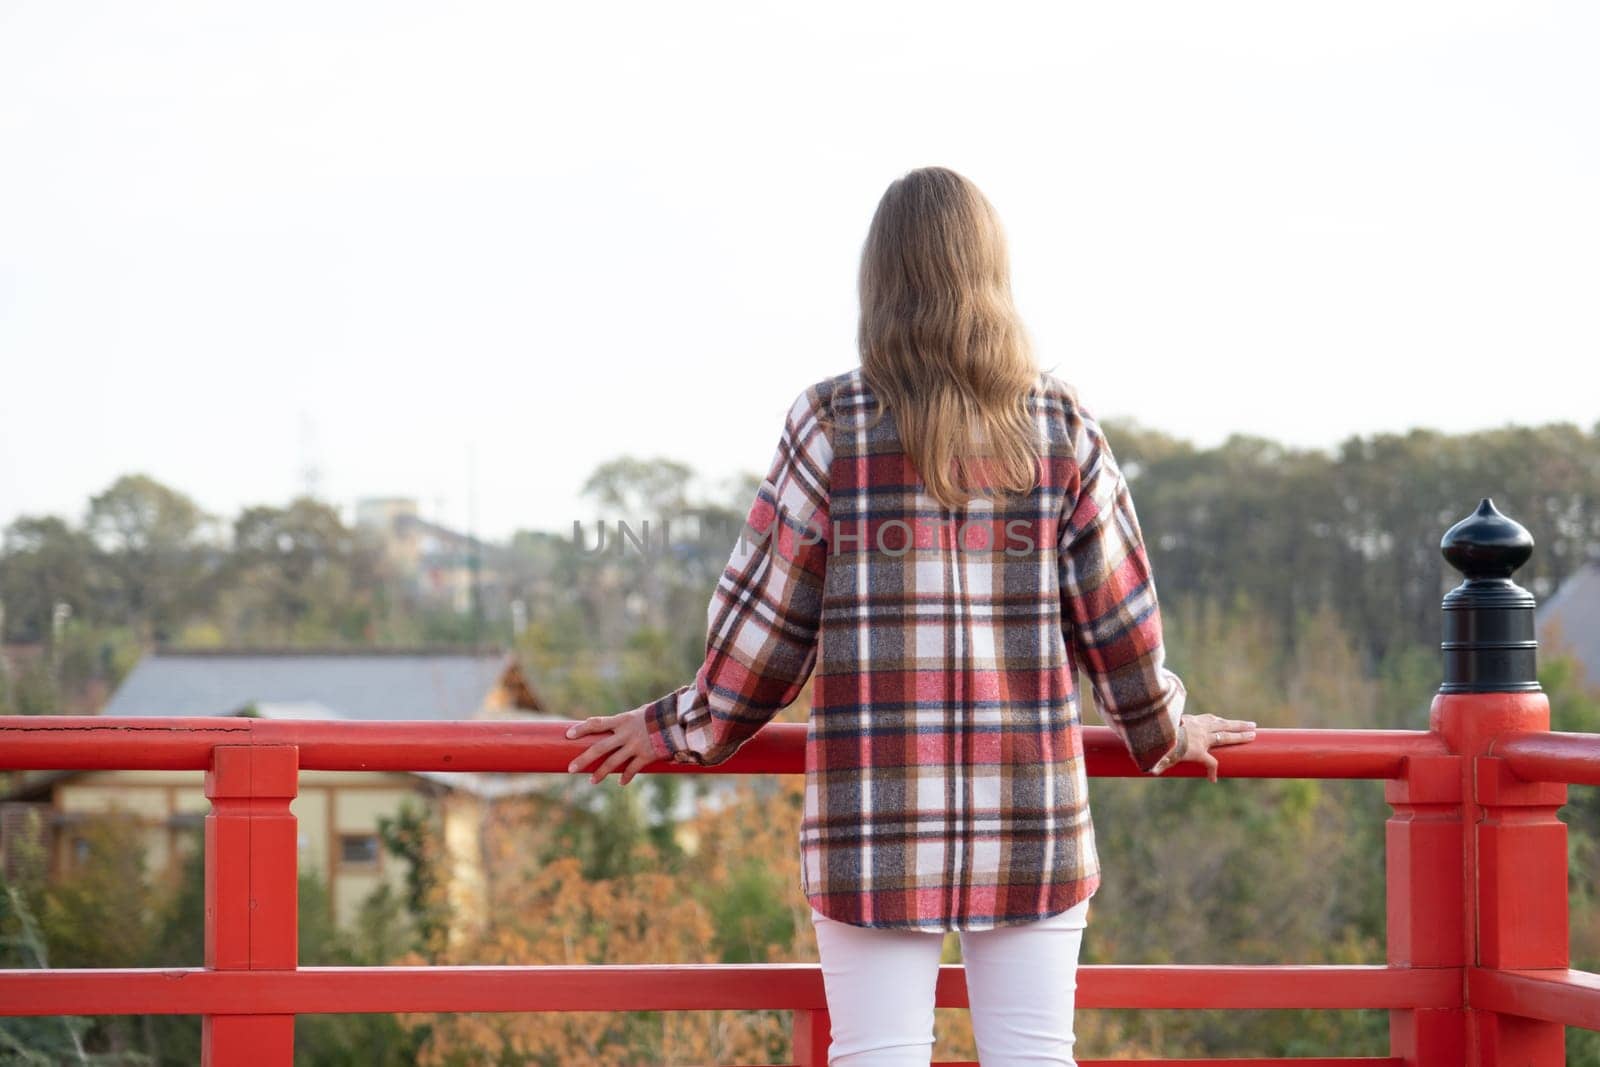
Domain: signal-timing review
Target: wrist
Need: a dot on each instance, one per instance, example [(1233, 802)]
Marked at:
[(1180, 747)]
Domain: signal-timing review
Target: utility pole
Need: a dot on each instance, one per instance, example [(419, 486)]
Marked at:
[(474, 560)]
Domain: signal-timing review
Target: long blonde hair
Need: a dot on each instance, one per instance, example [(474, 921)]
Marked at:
[(942, 347)]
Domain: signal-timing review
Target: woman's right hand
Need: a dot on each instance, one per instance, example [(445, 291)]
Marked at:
[(1204, 732)]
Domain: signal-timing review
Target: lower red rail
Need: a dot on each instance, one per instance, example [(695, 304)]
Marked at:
[(669, 987)]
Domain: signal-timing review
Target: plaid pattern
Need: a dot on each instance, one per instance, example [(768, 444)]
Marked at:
[(945, 778)]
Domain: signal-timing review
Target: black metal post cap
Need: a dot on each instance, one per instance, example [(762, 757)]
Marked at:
[(1487, 544), (1489, 643)]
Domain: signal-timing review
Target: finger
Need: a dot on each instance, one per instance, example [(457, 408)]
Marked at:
[(1236, 724), (593, 752), (618, 757), (587, 726), (1211, 765), (1233, 737), (639, 764)]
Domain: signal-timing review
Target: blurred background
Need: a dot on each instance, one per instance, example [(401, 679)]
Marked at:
[(331, 336)]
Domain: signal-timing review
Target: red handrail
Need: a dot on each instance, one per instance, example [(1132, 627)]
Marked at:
[(1551, 757), (251, 985), (88, 742)]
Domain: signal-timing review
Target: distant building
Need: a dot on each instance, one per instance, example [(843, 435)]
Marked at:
[(440, 565), (1569, 620), (338, 811)]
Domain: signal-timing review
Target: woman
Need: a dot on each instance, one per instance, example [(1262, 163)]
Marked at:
[(943, 539)]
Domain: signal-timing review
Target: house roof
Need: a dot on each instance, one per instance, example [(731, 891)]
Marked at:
[(409, 684), (1571, 618), (414, 684)]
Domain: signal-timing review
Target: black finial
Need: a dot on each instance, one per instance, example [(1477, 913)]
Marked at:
[(1489, 644), (1486, 544)]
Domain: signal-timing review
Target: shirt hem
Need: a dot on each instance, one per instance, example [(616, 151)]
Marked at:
[(1085, 889)]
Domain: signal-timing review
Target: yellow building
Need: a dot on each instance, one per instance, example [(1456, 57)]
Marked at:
[(338, 811)]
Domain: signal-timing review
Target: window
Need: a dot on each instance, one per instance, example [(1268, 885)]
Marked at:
[(358, 850)]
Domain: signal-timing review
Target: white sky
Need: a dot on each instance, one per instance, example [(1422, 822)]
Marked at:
[(413, 241)]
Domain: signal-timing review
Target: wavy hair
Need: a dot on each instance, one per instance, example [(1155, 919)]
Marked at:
[(942, 346)]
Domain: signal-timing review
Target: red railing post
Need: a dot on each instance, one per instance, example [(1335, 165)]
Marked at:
[(251, 892), (1521, 893), (812, 1034), (1426, 913), (1514, 874)]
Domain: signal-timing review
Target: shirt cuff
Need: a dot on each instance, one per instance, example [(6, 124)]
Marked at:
[(667, 738), (1180, 747), (1180, 740)]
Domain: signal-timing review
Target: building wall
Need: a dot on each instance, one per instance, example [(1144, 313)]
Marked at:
[(354, 804), (337, 813), (463, 816)]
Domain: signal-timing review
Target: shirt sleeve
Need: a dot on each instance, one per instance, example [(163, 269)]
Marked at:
[(1110, 611), (762, 623)]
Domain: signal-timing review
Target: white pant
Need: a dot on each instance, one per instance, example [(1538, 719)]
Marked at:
[(1021, 982)]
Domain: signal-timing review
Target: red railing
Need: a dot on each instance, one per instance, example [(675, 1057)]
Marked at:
[(1473, 834)]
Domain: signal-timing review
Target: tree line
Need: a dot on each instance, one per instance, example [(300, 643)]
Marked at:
[(1299, 589)]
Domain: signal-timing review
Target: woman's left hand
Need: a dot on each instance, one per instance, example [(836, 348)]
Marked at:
[(623, 740)]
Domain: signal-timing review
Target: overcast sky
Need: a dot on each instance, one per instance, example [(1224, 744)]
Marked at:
[(416, 245)]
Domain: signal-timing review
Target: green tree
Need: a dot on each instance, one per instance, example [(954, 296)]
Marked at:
[(155, 568), (299, 575), (43, 562)]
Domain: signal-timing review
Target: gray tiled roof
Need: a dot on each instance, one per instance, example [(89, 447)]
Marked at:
[(1572, 617), (353, 685)]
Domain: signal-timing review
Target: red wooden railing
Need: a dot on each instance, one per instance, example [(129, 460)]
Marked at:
[(1477, 971), (1473, 833)]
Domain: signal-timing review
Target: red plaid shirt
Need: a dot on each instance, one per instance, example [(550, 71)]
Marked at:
[(945, 782)]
